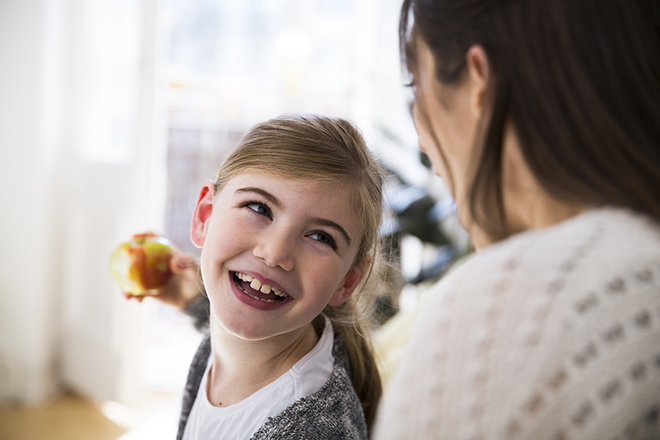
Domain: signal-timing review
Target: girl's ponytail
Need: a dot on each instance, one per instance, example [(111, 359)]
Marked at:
[(363, 368), (351, 321)]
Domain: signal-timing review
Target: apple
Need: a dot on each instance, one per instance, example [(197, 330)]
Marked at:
[(142, 264)]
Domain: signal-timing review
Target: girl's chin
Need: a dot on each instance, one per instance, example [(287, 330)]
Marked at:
[(247, 330), (237, 325), (246, 334)]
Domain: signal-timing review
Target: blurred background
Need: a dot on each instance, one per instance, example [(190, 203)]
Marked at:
[(112, 115)]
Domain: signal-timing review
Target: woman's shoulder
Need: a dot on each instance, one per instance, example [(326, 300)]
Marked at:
[(334, 411), (540, 323), (601, 249), (592, 241)]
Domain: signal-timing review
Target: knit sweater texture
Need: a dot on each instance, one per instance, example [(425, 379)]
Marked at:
[(333, 412), (552, 334)]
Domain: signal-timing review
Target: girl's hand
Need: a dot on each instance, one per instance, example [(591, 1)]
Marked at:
[(182, 287)]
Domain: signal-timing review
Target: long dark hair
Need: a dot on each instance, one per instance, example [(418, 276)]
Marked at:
[(579, 80)]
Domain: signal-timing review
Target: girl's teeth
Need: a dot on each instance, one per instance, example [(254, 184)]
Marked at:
[(263, 288), (255, 284)]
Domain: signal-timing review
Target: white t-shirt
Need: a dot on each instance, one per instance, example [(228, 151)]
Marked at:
[(243, 419)]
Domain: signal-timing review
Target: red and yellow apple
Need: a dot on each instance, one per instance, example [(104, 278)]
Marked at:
[(142, 264)]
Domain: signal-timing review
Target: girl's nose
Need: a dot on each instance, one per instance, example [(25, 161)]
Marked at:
[(275, 249)]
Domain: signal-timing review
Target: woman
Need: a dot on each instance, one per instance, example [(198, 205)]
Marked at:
[(544, 119)]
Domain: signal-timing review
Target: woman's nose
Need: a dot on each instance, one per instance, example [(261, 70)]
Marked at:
[(275, 248)]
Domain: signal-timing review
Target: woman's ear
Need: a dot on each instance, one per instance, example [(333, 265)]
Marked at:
[(476, 61), (348, 286), (202, 214)]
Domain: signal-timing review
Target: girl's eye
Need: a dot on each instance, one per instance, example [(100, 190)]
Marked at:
[(260, 209), (324, 238)]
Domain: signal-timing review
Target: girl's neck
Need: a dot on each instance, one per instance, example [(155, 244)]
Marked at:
[(240, 367)]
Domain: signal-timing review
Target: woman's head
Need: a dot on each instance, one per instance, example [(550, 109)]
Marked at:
[(575, 82), (320, 149)]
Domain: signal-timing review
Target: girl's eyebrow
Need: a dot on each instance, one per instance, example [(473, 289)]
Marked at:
[(333, 225), (265, 194), (317, 220)]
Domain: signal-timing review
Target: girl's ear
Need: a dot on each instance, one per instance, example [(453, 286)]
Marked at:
[(202, 214), (347, 288)]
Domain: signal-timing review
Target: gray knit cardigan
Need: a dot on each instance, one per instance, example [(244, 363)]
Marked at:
[(333, 412)]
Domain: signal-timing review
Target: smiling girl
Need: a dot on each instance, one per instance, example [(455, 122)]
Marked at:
[(288, 233)]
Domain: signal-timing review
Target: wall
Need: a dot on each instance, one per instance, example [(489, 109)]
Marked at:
[(29, 199), (67, 199)]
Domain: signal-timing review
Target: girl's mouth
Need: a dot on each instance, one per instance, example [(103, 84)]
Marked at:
[(255, 290)]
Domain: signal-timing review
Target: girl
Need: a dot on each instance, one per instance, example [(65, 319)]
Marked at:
[(288, 233), (543, 116)]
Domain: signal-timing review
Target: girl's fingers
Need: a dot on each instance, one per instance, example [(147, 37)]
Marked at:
[(129, 297), (180, 262), (146, 234)]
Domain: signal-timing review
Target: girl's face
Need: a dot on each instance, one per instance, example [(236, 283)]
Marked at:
[(275, 252)]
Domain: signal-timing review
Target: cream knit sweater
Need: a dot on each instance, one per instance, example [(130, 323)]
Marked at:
[(552, 334)]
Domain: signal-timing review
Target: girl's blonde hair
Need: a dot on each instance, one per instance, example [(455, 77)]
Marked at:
[(328, 150)]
